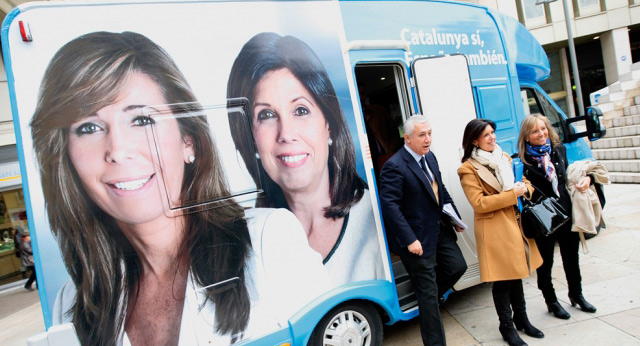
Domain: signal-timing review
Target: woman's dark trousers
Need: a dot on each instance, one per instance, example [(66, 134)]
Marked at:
[(32, 278), (569, 244), (508, 297)]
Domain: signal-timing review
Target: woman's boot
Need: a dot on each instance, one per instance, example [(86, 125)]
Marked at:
[(584, 305), (510, 335), (503, 308), (520, 318), (558, 311), (521, 322)]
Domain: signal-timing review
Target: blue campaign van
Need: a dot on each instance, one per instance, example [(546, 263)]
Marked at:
[(176, 154)]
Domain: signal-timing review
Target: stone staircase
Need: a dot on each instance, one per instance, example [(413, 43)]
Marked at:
[(619, 149)]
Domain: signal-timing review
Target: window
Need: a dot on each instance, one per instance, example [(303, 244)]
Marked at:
[(531, 10), (531, 14), (587, 7), (587, 3)]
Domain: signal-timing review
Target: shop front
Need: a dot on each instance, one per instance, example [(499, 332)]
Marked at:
[(13, 219)]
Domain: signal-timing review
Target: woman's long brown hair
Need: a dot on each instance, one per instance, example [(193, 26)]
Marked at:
[(84, 76)]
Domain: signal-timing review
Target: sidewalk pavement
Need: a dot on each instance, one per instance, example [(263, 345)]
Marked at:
[(610, 280), (20, 314), (610, 277)]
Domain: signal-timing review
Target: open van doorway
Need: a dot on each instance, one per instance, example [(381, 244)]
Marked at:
[(385, 106), (382, 91)]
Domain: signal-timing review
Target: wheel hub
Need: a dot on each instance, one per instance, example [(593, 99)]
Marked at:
[(349, 334), (349, 328)]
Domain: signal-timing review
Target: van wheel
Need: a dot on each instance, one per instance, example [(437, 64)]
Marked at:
[(349, 325)]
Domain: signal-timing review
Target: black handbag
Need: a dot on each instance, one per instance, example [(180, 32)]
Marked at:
[(543, 217)]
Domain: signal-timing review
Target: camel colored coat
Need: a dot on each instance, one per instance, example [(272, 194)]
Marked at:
[(504, 252)]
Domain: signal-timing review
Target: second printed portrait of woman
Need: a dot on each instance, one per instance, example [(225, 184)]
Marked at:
[(305, 152)]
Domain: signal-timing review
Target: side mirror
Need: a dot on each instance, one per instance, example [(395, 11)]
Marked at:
[(595, 130)]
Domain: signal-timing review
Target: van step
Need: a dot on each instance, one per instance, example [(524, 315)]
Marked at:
[(402, 278), (398, 268), (406, 295), (404, 288), (408, 302)]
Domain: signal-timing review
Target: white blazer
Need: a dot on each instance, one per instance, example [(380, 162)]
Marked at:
[(283, 274)]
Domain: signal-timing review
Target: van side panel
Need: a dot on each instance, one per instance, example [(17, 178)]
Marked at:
[(204, 39)]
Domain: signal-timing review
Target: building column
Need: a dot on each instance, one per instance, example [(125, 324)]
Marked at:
[(616, 53)]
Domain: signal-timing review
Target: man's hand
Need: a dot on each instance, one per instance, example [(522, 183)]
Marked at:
[(459, 229), (416, 248)]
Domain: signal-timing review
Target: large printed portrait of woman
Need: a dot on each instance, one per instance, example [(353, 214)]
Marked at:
[(215, 188)]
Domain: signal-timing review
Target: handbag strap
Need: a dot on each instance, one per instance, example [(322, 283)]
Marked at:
[(542, 196)]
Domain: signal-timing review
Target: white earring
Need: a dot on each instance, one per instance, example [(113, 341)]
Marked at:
[(330, 141), (191, 158), (257, 155)]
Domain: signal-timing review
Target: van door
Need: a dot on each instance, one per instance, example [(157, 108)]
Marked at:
[(444, 93)]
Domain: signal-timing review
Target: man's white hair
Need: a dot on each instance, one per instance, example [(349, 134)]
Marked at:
[(409, 124)]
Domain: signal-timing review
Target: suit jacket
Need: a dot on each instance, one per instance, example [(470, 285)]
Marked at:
[(409, 207)]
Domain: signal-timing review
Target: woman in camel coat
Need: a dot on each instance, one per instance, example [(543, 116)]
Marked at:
[(505, 255)]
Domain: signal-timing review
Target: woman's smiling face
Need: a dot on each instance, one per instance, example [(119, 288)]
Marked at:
[(112, 156), (538, 134), (487, 139), (291, 133)]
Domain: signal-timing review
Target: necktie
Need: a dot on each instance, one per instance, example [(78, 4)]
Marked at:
[(424, 168)]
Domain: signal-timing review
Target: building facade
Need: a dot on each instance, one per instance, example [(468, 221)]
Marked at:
[(606, 36)]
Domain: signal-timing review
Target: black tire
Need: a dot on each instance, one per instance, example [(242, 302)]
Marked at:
[(351, 324)]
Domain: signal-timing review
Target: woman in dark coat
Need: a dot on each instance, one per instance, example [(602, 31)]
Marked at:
[(545, 165)]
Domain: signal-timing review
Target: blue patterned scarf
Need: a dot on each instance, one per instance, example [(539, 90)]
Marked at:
[(540, 153)]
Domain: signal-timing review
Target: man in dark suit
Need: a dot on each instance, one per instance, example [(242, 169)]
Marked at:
[(412, 198)]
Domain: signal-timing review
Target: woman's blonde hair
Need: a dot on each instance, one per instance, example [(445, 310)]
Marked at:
[(527, 125)]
